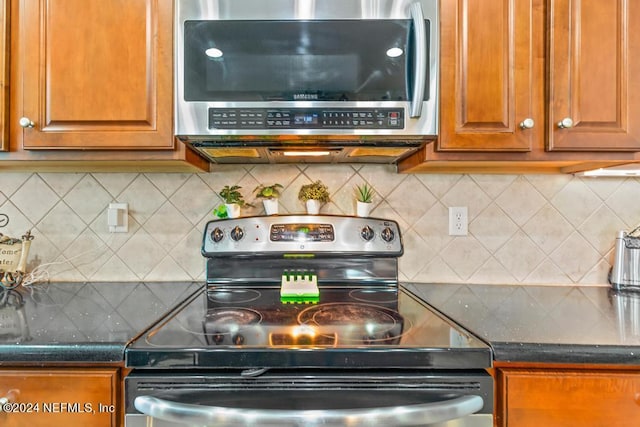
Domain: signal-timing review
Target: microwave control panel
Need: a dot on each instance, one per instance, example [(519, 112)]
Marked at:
[(306, 118)]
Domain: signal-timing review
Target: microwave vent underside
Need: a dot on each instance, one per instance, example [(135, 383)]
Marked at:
[(278, 152), (231, 152)]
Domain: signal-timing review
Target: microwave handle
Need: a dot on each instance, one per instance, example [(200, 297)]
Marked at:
[(409, 415), (420, 56)]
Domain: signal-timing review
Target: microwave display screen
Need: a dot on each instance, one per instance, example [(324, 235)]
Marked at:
[(305, 119), (317, 60)]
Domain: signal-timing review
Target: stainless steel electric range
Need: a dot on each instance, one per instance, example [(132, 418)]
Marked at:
[(302, 322)]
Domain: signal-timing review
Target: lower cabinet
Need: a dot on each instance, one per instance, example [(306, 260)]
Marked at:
[(567, 397), (60, 397)]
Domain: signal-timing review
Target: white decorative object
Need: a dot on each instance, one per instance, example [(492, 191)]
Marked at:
[(270, 206), (363, 209), (233, 210), (13, 260), (313, 206)]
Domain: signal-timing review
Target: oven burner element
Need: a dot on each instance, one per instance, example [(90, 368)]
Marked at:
[(375, 296), (355, 322), (341, 313), (232, 296), (226, 324)]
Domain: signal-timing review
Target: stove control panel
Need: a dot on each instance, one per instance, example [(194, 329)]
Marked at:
[(294, 235)]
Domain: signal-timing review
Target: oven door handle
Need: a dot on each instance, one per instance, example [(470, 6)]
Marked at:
[(420, 56), (408, 415)]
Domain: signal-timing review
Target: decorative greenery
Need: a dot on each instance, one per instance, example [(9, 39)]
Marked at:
[(268, 191), (221, 211), (364, 193), (315, 191), (231, 195)]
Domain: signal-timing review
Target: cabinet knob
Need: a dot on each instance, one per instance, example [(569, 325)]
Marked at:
[(527, 123), (10, 397), (565, 123), (26, 122)]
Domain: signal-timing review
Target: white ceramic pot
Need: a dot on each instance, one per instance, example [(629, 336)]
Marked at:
[(313, 207), (233, 210), (363, 209), (270, 206)]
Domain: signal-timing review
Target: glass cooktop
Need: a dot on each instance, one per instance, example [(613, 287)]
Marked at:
[(367, 327)]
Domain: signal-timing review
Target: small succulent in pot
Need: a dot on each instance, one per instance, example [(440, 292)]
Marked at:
[(364, 193), (314, 195), (233, 199), (269, 195), (364, 199)]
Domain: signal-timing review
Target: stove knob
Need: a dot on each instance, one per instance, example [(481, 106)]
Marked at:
[(237, 233), (218, 338), (237, 339), (367, 233), (388, 235), (217, 234)]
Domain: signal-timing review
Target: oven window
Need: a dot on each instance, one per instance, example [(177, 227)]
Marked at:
[(338, 60)]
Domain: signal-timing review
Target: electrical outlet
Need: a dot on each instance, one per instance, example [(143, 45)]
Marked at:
[(458, 221)]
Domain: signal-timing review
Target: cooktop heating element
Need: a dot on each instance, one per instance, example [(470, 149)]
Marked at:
[(326, 324)]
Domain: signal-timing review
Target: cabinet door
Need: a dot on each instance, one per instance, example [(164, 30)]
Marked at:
[(96, 74), (60, 397), (534, 398), (594, 63), (492, 64), (4, 75)]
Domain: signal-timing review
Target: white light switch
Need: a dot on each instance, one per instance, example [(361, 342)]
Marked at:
[(118, 217)]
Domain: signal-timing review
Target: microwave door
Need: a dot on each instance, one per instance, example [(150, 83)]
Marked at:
[(267, 61)]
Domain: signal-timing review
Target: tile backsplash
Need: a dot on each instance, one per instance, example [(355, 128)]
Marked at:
[(528, 229)]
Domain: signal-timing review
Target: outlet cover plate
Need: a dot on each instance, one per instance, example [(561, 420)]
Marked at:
[(458, 221)]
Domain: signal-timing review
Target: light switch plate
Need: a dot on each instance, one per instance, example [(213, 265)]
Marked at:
[(118, 217)]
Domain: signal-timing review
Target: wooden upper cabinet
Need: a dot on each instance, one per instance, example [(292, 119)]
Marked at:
[(95, 74), (4, 74), (492, 65), (594, 82)]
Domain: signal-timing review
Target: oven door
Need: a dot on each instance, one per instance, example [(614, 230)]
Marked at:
[(307, 399)]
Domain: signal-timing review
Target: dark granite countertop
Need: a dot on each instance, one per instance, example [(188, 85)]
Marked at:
[(81, 322), (93, 322), (549, 324)]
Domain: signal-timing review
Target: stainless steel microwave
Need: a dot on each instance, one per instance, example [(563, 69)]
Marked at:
[(306, 80)]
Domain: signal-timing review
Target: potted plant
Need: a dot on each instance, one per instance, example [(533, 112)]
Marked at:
[(314, 195), (233, 200), (269, 195), (364, 199)]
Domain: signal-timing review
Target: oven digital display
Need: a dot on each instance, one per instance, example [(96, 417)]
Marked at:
[(302, 233)]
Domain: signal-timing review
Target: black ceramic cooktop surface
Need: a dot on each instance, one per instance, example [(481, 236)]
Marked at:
[(346, 327)]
